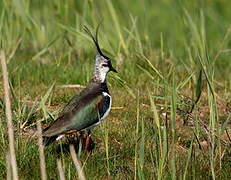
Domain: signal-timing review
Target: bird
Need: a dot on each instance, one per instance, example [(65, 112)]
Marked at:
[(88, 108)]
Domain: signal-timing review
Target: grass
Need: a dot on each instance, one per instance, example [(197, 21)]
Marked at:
[(171, 98)]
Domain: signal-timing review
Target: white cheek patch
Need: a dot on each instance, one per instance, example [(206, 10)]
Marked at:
[(102, 73), (101, 68)]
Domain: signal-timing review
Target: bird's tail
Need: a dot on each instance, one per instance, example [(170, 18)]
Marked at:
[(48, 140)]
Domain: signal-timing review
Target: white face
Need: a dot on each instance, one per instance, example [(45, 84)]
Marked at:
[(101, 67)]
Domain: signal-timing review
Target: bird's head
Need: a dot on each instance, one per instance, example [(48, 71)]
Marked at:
[(103, 63)]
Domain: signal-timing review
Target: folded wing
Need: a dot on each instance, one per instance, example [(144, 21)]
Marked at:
[(81, 112)]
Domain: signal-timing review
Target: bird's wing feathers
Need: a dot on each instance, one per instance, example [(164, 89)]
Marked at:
[(84, 97), (81, 112)]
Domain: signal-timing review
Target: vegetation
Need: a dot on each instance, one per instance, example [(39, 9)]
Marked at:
[(171, 98)]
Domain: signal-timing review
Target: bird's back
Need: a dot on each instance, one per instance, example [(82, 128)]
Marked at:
[(82, 111)]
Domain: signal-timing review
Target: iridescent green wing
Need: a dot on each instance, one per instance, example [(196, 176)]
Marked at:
[(77, 116), (82, 98), (87, 115)]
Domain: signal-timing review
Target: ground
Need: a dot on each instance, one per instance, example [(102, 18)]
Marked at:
[(171, 110)]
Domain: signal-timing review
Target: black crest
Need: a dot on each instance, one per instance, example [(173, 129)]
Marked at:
[(95, 39)]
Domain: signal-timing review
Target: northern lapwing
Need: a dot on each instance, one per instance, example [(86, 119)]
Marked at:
[(87, 109)]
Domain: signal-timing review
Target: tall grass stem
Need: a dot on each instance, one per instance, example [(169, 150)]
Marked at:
[(77, 163), (41, 152), (60, 169), (9, 114)]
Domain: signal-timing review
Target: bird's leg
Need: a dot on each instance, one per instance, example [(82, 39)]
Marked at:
[(88, 140), (80, 137)]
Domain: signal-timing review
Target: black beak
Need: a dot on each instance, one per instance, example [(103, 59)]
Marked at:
[(113, 69)]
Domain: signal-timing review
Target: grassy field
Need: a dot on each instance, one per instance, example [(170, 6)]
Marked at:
[(171, 114)]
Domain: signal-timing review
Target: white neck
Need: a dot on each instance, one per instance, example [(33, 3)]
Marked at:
[(99, 75), (103, 76)]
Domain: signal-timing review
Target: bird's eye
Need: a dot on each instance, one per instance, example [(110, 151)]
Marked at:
[(105, 65)]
